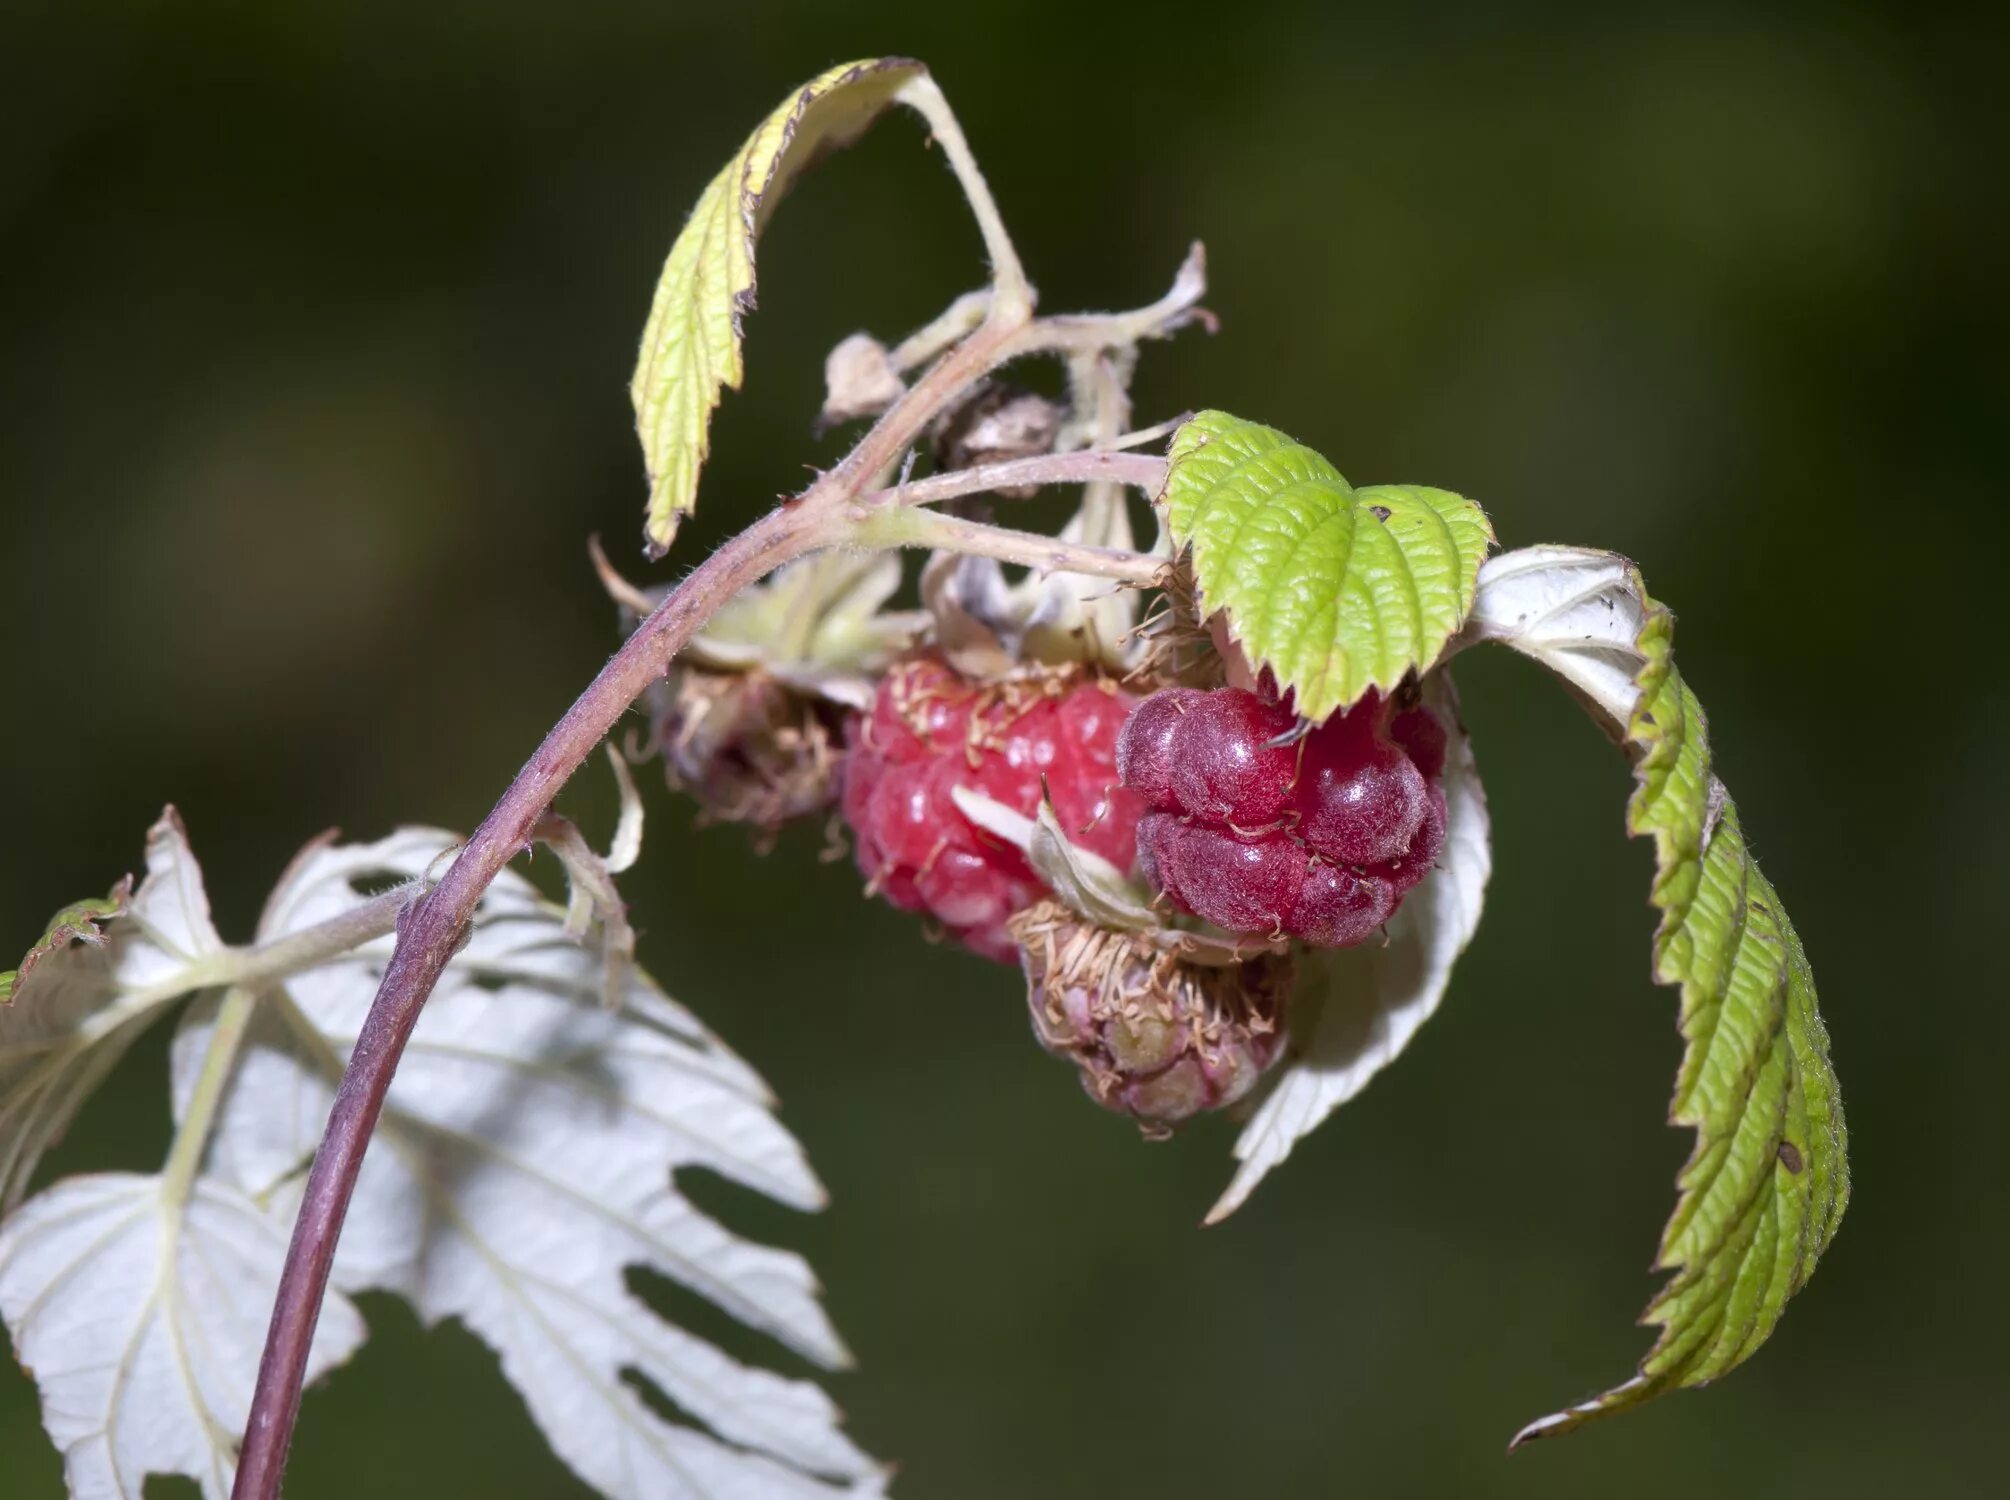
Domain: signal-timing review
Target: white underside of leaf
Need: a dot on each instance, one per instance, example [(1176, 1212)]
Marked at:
[(81, 1006), (1356, 1009), (524, 1163), (1576, 610), (143, 1326)]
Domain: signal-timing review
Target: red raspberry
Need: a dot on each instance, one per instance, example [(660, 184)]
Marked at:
[(930, 730), (1317, 839)]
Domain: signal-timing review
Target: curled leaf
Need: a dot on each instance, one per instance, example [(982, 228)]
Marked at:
[(87, 990), (1765, 1187), (1337, 590), (691, 345)]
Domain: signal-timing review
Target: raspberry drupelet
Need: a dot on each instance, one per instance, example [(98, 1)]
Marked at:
[(930, 730), (1316, 836)]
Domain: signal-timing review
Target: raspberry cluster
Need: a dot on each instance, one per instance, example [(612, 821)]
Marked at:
[(930, 730), (1316, 837)]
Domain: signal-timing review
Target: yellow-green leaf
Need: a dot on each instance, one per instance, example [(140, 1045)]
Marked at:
[(1336, 590), (1765, 1186), (691, 346)]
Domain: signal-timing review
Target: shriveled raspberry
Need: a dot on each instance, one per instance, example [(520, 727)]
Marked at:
[(1156, 1036), (1316, 839), (747, 747), (931, 730)]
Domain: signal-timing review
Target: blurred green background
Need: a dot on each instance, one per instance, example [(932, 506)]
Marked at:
[(315, 327)]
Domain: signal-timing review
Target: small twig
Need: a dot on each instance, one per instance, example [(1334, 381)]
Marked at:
[(1045, 554), (929, 342), (1161, 319), (1011, 294), (1144, 471)]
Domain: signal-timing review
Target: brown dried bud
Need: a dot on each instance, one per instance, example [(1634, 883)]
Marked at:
[(1000, 422), (859, 381), (748, 748), (1155, 1033)]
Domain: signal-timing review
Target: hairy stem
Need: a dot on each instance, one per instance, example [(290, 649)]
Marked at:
[(1044, 554), (1143, 471), (1010, 292), (429, 931), (430, 928)]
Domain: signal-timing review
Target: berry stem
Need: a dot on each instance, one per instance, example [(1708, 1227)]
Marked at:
[(1010, 291), (1142, 471), (1045, 554)]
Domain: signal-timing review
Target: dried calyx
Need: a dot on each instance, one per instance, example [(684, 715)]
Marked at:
[(750, 718), (998, 422)]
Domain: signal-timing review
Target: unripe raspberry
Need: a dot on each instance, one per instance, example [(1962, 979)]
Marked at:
[(1317, 839), (1155, 1036), (931, 730), (750, 717)]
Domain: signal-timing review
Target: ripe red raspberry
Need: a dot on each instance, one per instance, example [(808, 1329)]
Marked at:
[(1317, 839), (930, 730)]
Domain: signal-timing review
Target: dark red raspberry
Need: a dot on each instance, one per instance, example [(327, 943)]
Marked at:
[(1226, 769), (1317, 839), (931, 730)]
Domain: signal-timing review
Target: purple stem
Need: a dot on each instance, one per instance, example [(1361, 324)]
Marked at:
[(429, 932), (430, 929)]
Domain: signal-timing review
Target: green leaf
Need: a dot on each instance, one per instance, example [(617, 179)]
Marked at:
[(1336, 590), (691, 346), (1765, 1187), (78, 922)]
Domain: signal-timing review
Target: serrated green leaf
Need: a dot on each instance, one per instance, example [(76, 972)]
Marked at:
[(1767, 1182), (1336, 590), (691, 346), (78, 922)]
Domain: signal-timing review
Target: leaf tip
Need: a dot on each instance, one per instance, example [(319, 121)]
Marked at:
[(1557, 1423)]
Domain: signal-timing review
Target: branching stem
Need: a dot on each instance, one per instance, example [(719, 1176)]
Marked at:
[(1142, 471), (1043, 554), (430, 927)]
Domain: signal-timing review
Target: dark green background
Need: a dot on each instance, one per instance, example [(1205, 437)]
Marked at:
[(315, 328)]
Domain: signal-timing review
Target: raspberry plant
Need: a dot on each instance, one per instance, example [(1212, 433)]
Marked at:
[(1212, 796)]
